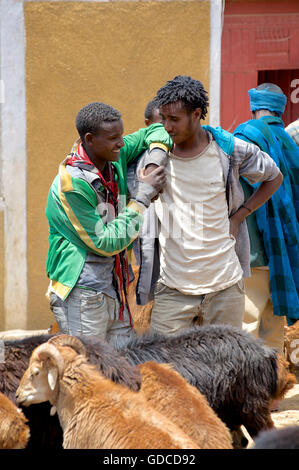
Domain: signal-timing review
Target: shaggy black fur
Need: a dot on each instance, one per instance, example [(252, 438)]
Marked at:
[(234, 370)]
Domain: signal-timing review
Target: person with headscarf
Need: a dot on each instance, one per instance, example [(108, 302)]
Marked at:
[(272, 291)]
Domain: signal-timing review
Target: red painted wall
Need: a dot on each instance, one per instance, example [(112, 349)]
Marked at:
[(259, 43)]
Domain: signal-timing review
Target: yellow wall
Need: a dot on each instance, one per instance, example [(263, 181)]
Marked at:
[(119, 53)]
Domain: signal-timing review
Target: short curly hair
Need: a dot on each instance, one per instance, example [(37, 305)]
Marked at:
[(189, 91), (91, 116), (150, 108)]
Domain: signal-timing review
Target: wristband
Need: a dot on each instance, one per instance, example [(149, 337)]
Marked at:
[(245, 207)]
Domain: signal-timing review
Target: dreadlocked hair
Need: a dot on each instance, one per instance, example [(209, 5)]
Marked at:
[(91, 116), (189, 91)]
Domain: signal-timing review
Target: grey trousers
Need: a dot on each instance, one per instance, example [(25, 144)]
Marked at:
[(86, 312), (174, 311)]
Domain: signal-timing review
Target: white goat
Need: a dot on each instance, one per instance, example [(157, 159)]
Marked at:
[(93, 411)]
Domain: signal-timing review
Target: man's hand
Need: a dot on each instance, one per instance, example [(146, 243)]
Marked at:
[(258, 198), (149, 168), (156, 177), (234, 223), (150, 185)]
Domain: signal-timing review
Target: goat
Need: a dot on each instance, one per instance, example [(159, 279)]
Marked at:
[(93, 411), (141, 314), (17, 354), (45, 430), (232, 369), (237, 373), (291, 345), (284, 438), (170, 394), (14, 430)]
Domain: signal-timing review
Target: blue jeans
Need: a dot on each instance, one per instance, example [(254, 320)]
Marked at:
[(86, 312)]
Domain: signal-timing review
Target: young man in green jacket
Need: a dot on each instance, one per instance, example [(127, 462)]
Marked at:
[(91, 225)]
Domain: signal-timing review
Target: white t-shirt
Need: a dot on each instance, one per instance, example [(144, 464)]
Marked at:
[(197, 255)]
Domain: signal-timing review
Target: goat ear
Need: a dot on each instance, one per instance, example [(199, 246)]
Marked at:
[(52, 377)]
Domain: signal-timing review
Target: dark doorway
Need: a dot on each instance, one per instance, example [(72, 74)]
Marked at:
[(259, 43), (288, 81)]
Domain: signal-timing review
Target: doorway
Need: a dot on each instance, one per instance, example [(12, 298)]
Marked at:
[(288, 81)]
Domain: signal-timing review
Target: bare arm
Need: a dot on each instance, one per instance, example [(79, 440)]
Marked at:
[(258, 198)]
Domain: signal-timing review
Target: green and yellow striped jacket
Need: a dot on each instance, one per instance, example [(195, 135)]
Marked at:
[(77, 225)]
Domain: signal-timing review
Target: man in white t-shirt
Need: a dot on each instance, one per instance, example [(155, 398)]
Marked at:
[(201, 213)]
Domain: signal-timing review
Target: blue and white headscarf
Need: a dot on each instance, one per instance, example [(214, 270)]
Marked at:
[(265, 99)]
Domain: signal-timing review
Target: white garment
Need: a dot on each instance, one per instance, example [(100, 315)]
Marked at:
[(197, 254)]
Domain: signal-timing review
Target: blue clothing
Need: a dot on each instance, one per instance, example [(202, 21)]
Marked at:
[(258, 255), (224, 139), (277, 220), (265, 99)]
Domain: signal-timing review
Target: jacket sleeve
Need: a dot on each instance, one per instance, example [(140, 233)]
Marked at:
[(153, 136), (87, 227), (255, 165)]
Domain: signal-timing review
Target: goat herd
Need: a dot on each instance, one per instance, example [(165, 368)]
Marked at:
[(190, 391)]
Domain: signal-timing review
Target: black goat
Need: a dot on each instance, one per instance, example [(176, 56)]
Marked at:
[(284, 438), (236, 372)]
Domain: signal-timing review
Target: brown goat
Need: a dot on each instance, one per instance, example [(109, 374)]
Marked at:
[(170, 394), (141, 314), (285, 379), (14, 431), (94, 412), (291, 345)]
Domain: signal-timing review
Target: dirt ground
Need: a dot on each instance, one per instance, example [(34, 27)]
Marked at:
[(288, 410)]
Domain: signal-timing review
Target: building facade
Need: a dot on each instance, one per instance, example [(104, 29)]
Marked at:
[(56, 57), (260, 41)]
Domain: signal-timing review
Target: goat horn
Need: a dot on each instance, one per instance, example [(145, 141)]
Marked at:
[(67, 340), (48, 351)]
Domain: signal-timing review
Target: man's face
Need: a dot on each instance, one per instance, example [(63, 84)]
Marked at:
[(105, 145), (178, 122)]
